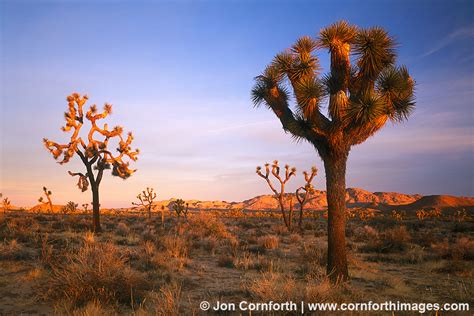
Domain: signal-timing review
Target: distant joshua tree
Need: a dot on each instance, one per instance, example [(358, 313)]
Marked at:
[(95, 155), (304, 192), (85, 206), (146, 199), (279, 195), (361, 99), (180, 207), (48, 202), (70, 207), (6, 203)]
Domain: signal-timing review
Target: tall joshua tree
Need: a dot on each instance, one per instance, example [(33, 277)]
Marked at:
[(95, 155), (361, 97)]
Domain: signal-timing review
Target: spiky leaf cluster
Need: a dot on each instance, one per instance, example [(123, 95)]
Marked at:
[(364, 88), (93, 149)]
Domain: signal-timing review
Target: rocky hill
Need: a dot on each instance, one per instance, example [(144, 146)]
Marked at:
[(354, 198), (385, 201)]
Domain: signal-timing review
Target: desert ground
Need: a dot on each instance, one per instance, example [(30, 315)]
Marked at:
[(229, 252)]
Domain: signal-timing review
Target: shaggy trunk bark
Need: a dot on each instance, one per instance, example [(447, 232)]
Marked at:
[(335, 167), (281, 201), (95, 209)]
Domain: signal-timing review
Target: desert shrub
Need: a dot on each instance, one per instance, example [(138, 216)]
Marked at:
[(122, 229), (456, 267), (269, 242), (273, 286), (203, 225), (244, 261), (295, 238), (396, 238), (393, 239), (463, 227), (92, 308), (172, 253), (322, 290), (312, 260), (148, 235), (416, 254), (21, 229), (364, 233), (145, 253), (79, 224), (12, 250), (209, 243), (96, 272), (461, 249), (230, 245), (246, 224), (441, 248), (280, 229), (225, 261), (166, 302)]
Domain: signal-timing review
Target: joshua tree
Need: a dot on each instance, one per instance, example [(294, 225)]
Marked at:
[(303, 193), (179, 208), (6, 204), (85, 206), (163, 215), (361, 99), (186, 210), (70, 207), (280, 196), (48, 202), (95, 155), (146, 200)]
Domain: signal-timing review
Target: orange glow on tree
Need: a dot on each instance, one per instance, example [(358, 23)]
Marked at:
[(93, 151)]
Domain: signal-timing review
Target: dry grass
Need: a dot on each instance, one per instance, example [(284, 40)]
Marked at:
[(13, 250), (135, 267), (96, 272), (166, 302), (272, 286), (269, 242)]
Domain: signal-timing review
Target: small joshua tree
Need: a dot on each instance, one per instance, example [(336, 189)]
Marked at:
[(162, 215), (179, 208), (186, 210), (70, 207), (6, 204), (398, 216), (280, 196), (47, 202), (85, 206), (303, 193), (146, 200), (421, 214), (94, 154)]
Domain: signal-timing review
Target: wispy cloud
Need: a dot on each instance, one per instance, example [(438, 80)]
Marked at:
[(459, 34)]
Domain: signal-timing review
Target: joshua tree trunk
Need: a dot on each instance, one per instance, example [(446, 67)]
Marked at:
[(281, 200), (335, 168), (95, 182), (95, 209)]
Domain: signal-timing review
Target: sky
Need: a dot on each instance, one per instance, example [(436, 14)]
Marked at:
[(179, 75)]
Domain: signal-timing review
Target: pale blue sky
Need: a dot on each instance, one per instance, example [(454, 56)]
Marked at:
[(179, 75)]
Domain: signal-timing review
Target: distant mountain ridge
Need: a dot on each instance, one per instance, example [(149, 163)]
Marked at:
[(355, 197)]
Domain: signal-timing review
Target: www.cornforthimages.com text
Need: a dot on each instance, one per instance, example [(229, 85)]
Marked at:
[(303, 307)]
